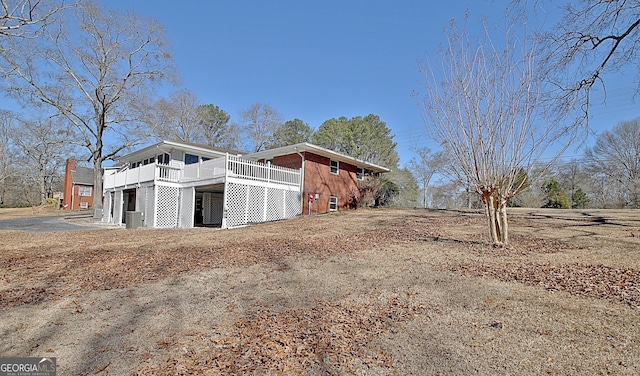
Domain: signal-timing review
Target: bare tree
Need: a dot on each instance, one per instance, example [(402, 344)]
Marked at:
[(425, 166), (593, 37), (177, 118), (95, 68), (181, 117), (23, 18), (7, 156), (259, 122), (482, 110), (43, 142), (616, 155)]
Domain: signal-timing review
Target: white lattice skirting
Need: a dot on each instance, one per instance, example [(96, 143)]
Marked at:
[(170, 206), (247, 204), (167, 206)]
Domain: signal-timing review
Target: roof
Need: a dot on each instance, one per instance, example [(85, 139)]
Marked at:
[(166, 146), (82, 176), (307, 147)]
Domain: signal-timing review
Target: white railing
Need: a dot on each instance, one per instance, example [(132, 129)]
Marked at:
[(167, 173), (213, 168), (247, 169), (220, 167)]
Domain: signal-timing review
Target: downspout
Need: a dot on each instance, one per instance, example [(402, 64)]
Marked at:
[(301, 181)]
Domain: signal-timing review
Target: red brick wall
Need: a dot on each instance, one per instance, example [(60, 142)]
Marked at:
[(77, 199), (289, 161), (318, 179), (72, 199), (68, 184)]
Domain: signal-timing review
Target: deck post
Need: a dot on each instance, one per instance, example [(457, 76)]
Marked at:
[(224, 192)]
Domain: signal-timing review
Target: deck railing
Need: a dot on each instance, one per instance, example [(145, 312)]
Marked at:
[(228, 165), (244, 168)]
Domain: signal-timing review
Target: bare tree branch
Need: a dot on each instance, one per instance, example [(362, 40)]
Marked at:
[(484, 108), (95, 67)]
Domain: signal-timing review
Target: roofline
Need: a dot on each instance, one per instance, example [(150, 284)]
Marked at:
[(173, 144), (305, 146)]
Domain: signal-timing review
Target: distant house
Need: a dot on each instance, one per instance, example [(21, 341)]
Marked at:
[(78, 187), (176, 184)]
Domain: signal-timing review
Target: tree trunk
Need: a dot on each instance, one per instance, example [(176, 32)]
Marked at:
[(503, 221), (424, 202), (496, 212), (43, 188)]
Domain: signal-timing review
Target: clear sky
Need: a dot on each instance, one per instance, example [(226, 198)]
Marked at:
[(325, 59)]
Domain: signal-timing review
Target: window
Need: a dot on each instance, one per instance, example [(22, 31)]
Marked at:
[(84, 205), (190, 159), (163, 159), (152, 160), (84, 190), (360, 173), (135, 164), (334, 167), (145, 162), (333, 203)]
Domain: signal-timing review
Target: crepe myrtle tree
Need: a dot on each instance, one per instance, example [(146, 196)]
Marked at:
[(483, 107), (94, 67)]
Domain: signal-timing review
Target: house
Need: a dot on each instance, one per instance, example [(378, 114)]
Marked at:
[(177, 184), (330, 179), (78, 186)]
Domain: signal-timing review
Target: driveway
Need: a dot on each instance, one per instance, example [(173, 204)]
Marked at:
[(50, 223)]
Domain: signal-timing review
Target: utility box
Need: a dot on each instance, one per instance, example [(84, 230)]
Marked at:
[(133, 219)]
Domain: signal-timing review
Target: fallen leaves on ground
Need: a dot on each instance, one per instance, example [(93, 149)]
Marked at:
[(99, 267), (596, 281), (332, 338)]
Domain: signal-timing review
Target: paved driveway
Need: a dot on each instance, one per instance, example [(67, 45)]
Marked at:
[(49, 224)]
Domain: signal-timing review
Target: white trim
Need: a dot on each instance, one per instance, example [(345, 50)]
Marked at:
[(307, 147)]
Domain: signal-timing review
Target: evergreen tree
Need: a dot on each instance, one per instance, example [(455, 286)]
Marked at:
[(290, 133), (366, 138), (555, 197), (580, 199)]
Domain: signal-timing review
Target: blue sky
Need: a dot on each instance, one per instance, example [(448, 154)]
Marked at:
[(324, 59)]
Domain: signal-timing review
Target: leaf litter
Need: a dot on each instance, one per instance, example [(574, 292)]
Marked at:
[(330, 337)]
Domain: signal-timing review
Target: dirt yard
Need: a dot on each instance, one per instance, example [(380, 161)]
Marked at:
[(368, 292)]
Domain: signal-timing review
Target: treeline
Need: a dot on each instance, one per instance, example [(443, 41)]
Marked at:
[(605, 176), (33, 151)]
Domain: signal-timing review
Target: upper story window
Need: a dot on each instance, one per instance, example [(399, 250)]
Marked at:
[(190, 158), (360, 173), (163, 158), (335, 167), (84, 190)]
